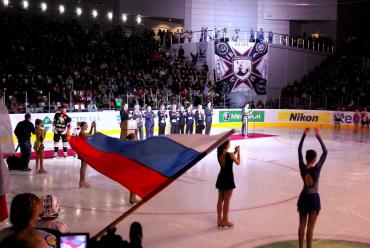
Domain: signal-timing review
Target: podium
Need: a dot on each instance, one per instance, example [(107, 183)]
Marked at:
[(127, 127)]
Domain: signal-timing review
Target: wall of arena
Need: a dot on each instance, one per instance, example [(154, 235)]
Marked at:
[(108, 122)]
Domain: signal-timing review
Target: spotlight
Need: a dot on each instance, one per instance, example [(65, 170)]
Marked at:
[(78, 11), (94, 13), (43, 7), (124, 17), (6, 2), (110, 15), (25, 4), (61, 9), (138, 19)]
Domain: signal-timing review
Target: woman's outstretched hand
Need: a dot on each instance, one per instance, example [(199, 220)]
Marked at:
[(237, 149), (317, 131)]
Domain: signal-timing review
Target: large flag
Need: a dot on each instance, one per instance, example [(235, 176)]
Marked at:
[(6, 135), (145, 167), (6, 146)]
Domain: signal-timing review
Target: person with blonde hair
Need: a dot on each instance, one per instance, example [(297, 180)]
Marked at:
[(39, 146)]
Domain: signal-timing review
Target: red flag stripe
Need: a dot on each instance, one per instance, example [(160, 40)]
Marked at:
[(132, 175), (3, 208)]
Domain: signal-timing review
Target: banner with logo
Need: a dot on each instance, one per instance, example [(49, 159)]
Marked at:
[(201, 53), (242, 68), (305, 116), (236, 116)]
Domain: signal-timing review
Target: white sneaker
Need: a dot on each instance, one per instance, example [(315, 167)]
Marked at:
[(55, 155), (65, 154)]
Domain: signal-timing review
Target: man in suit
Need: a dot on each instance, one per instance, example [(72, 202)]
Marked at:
[(125, 116), (189, 119), (23, 131), (149, 122), (208, 111), (246, 111), (174, 119), (199, 120), (137, 115), (182, 120), (162, 115)]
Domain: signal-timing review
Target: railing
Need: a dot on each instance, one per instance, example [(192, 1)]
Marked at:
[(218, 101), (50, 105), (243, 37)]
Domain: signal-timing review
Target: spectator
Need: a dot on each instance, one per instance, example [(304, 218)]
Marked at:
[(136, 235), (181, 53), (252, 36), (27, 238), (92, 107), (49, 214), (23, 131), (24, 212)]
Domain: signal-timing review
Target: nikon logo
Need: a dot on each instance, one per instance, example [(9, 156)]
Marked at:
[(303, 117)]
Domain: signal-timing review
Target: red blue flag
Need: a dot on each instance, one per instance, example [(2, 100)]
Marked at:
[(145, 166)]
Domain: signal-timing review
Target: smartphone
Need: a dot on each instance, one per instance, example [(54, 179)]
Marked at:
[(73, 240)]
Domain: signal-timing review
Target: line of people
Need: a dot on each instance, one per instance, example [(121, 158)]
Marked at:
[(181, 120)]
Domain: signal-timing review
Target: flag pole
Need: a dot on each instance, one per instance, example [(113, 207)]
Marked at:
[(162, 186)]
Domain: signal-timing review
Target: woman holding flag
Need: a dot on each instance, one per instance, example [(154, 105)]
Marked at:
[(83, 134), (6, 147)]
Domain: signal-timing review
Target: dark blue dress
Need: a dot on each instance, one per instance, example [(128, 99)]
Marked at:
[(225, 179), (309, 199)]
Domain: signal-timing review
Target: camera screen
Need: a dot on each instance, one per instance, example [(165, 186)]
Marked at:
[(73, 241)]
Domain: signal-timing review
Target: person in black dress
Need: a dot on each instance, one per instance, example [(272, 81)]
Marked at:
[(309, 200), (225, 182)]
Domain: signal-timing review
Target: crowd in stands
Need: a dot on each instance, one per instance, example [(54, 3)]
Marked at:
[(91, 66), (341, 81)]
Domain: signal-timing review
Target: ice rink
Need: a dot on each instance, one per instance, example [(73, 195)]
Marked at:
[(263, 206)]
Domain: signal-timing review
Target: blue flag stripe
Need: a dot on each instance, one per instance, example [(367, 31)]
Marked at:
[(159, 153)]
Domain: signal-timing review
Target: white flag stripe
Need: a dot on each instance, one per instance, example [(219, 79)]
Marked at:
[(6, 136), (197, 142)]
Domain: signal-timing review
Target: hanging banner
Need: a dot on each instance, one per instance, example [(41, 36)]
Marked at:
[(200, 57), (242, 68)]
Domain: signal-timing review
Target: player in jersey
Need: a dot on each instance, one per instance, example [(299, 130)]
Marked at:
[(61, 126)]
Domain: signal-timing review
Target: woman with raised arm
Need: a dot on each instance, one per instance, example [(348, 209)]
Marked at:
[(309, 200), (225, 182)]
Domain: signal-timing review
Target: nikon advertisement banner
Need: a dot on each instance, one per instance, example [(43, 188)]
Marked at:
[(304, 117), (233, 116)]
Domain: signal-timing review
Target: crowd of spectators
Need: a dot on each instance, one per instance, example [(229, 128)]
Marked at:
[(341, 81), (81, 66)]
